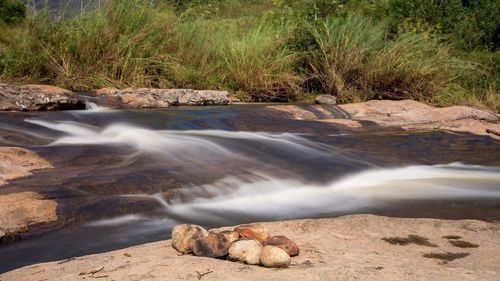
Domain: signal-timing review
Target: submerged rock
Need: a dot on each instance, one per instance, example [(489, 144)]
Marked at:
[(37, 98), (283, 243), (326, 99), (274, 257), (213, 246), (184, 235), (252, 231), (247, 251), (160, 98)]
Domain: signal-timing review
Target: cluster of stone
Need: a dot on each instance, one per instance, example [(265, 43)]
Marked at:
[(250, 244)]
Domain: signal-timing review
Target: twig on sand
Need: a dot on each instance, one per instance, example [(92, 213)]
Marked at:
[(67, 260), (200, 275), (101, 276), (91, 271), (493, 132)]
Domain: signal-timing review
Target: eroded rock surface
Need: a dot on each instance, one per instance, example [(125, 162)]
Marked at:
[(16, 162), (20, 211), (37, 98), (344, 248), (413, 112), (406, 114), (161, 98)]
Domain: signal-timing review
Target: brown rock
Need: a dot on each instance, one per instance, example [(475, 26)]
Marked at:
[(18, 162), (230, 235), (247, 251), (274, 257), (212, 245), (37, 98), (283, 243), (20, 211), (160, 98), (184, 235), (253, 231), (413, 112)]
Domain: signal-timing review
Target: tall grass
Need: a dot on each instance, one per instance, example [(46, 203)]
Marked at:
[(357, 62), (343, 47), (260, 51)]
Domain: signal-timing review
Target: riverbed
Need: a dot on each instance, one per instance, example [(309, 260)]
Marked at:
[(126, 177)]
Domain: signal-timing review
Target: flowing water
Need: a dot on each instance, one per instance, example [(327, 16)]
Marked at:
[(123, 178)]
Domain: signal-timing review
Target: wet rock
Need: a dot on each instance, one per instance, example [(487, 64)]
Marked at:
[(230, 235), (326, 99), (413, 112), (274, 257), (21, 211), (16, 162), (247, 251), (212, 245), (253, 231), (184, 235), (160, 98), (37, 98), (283, 243)]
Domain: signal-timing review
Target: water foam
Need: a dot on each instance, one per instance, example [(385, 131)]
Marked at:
[(93, 107), (267, 197)]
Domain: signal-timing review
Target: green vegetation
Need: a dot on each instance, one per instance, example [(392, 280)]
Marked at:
[(11, 11), (441, 52)]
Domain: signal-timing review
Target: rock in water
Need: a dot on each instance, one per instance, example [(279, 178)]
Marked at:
[(18, 162), (283, 243), (247, 251), (274, 257), (230, 235), (184, 235), (160, 98), (21, 211), (212, 245), (37, 98), (252, 231), (326, 99)]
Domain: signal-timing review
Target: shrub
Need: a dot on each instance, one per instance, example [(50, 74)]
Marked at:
[(11, 11), (354, 61)]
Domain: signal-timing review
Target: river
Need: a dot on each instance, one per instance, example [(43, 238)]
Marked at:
[(123, 178)]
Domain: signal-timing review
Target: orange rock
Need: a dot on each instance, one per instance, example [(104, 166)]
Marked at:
[(253, 231), (283, 243)]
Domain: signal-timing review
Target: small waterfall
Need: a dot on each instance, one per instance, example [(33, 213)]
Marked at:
[(91, 106)]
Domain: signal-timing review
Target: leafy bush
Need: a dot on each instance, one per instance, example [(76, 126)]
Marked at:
[(466, 24), (11, 11)]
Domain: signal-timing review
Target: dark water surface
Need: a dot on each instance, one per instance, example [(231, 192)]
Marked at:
[(123, 178)]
